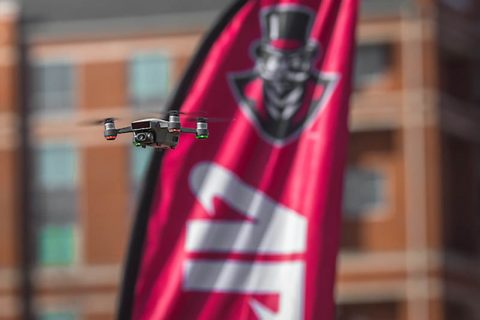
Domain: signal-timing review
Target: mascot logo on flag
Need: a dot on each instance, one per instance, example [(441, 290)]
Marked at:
[(283, 93)]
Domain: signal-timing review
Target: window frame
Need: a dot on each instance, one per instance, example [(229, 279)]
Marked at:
[(154, 104), (381, 210), (41, 111), (40, 217), (136, 181), (377, 79)]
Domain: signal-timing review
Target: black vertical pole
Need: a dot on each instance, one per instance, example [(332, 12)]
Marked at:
[(25, 235)]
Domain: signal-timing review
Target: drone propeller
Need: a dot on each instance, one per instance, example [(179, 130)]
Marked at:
[(198, 112), (208, 119), (181, 113), (96, 122), (185, 116), (131, 117)]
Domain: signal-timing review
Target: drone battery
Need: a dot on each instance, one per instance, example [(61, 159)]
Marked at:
[(138, 125)]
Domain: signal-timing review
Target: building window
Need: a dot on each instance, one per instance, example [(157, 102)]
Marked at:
[(53, 87), (371, 63), (55, 204), (149, 75), (140, 159), (60, 315), (364, 191), (382, 8)]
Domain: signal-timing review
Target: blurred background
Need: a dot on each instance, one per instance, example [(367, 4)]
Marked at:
[(411, 228)]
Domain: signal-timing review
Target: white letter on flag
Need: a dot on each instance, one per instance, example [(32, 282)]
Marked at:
[(273, 229)]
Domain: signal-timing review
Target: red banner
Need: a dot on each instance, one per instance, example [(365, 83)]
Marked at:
[(245, 225)]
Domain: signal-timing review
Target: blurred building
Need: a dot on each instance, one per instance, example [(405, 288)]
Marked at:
[(411, 236)]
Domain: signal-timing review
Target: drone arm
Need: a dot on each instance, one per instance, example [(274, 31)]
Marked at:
[(188, 130), (124, 130)]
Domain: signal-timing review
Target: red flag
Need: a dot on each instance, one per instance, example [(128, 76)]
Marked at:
[(245, 225)]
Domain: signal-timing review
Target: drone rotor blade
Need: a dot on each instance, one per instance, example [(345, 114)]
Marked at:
[(96, 122), (127, 119), (181, 113), (208, 119), (198, 113)]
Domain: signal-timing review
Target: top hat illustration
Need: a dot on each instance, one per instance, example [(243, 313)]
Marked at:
[(286, 28)]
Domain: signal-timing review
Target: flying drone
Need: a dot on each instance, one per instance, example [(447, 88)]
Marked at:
[(155, 132)]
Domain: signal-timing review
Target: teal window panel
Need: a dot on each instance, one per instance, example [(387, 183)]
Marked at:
[(60, 315), (139, 162), (53, 87), (364, 190), (56, 166), (371, 63), (55, 203), (56, 245), (140, 159), (149, 75)]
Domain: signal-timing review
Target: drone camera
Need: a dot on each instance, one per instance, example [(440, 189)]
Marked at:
[(110, 132), (143, 138), (202, 129)]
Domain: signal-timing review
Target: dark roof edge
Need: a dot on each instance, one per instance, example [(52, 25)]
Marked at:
[(123, 26), (180, 22)]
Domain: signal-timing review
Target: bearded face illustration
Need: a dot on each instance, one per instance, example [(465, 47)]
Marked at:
[(284, 76), (282, 92)]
